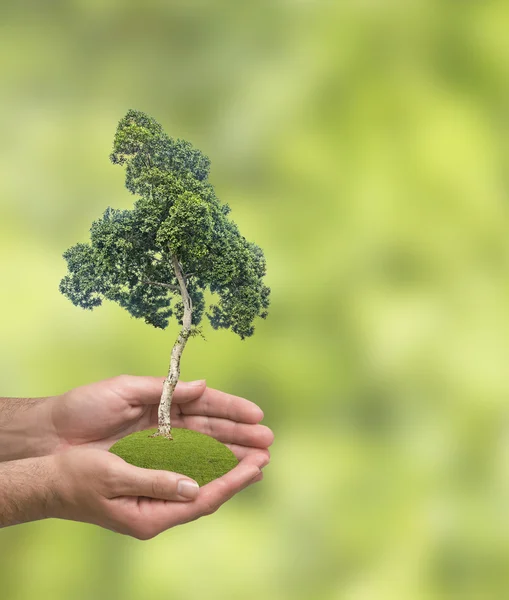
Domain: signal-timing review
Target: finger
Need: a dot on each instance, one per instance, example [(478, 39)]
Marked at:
[(228, 432), (147, 390), (214, 403), (242, 451), (138, 390), (258, 478), (187, 391), (150, 483), (219, 491), (211, 496)]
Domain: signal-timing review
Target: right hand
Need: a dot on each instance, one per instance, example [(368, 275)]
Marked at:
[(95, 486)]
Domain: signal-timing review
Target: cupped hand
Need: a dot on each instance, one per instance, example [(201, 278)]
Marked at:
[(95, 486), (99, 414)]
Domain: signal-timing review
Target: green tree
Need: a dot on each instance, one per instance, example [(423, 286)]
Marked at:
[(158, 259)]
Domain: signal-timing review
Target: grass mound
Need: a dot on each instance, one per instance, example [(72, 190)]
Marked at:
[(194, 454)]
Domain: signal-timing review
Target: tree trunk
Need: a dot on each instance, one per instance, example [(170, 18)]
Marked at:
[(170, 382)]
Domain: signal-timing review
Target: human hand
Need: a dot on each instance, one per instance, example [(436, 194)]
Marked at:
[(99, 414), (95, 486)]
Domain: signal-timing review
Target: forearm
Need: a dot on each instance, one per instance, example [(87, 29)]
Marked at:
[(27, 491), (26, 429)]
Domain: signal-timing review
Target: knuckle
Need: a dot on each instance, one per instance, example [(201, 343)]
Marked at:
[(110, 472), (111, 481), (142, 536), (120, 380), (132, 525), (156, 489), (210, 509), (141, 532), (160, 487)]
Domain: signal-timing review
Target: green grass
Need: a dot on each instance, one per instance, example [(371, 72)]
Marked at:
[(194, 454)]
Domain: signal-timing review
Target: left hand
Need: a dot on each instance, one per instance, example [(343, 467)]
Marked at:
[(95, 486), (99, 414)]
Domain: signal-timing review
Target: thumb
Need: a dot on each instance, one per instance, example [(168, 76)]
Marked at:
[(163, 485), (186, 391)]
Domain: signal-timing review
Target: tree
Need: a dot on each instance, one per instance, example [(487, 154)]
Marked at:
[(158, 259)]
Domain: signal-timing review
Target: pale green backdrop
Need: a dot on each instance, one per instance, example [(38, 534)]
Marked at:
[(365, 146)]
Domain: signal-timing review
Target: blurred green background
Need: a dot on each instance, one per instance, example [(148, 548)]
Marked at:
[(365, 146)]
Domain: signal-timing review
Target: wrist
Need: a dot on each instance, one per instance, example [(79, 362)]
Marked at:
[(26, 428), (28, 491)]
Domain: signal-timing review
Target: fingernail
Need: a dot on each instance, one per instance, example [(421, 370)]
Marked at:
[(196, 383), (187, 488)]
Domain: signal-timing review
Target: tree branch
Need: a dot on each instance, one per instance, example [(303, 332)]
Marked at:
[(186, 298), (174, 288)]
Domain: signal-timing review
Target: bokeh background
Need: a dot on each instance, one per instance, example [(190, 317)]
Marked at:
[(365, 146)]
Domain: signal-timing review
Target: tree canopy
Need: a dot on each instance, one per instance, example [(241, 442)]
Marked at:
[(176, 215)]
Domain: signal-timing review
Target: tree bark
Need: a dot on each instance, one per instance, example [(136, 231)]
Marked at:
[(170, 382)]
